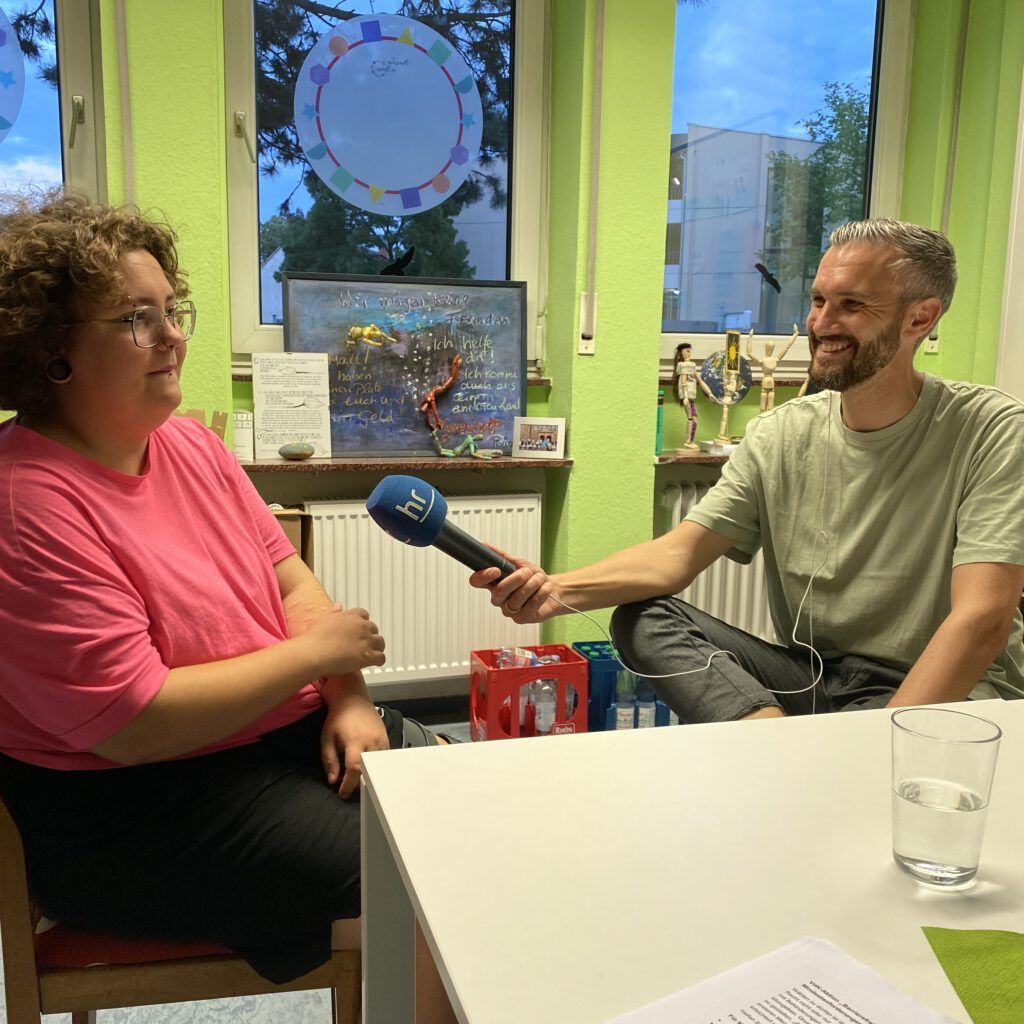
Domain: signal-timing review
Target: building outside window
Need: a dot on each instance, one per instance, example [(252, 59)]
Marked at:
[(770, 150)]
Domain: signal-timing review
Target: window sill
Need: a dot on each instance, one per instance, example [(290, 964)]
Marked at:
[(690, 459), (399, 464)]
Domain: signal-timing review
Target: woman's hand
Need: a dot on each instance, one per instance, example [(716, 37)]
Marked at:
[(524, 596), (343, 641), (352, 726)]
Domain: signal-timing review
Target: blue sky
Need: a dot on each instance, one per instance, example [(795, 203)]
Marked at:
[(30, 152), (761, 65)]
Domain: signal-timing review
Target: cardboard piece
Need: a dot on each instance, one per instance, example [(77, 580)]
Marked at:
[(298, 527), (218, 420)]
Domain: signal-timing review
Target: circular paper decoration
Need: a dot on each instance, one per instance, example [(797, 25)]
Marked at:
[(12, 76), (712, 372), (388, 114)]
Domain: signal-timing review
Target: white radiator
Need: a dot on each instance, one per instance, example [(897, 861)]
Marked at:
[(429, 615), (731, 592)]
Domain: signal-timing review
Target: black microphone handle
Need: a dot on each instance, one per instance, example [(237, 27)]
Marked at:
[(454, 541)]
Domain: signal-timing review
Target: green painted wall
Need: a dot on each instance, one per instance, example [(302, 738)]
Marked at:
[(983, 174), (610, 398), (178, 144)]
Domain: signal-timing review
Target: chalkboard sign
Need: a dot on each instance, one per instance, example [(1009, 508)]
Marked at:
[(394, 343)]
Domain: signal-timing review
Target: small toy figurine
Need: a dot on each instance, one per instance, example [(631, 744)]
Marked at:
[(429, 409), (725, 378), (730, 383), (686, 391), (429, 404), (768, 362), (371, 334), (467, 444)]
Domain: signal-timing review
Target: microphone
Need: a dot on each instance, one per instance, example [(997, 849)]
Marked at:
[(412, 511)]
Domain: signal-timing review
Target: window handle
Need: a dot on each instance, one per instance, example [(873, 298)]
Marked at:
[(242, 132), (77, 118)]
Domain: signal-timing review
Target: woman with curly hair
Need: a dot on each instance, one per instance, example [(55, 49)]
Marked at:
[(181, 704)]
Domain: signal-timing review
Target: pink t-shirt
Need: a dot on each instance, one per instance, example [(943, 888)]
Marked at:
[(108, 581)]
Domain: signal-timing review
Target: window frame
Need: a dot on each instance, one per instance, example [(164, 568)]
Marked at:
[(528, 193), (80, 73), (886, 178)]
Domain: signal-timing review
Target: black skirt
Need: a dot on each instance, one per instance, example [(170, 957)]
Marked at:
[(248, 848)]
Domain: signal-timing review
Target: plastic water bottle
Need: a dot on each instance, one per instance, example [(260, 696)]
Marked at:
[(646, 706), (625, 706), (543, 694)]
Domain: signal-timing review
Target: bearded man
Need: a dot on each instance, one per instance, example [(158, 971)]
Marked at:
[(888, 507)]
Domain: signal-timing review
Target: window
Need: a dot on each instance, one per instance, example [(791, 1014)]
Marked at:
[(49, 97), (324, 189), (771, 151)]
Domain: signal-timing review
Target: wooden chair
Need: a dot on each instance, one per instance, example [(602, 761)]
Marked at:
[(49, 977)]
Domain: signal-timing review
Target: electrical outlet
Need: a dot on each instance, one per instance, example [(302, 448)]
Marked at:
[(931, 345), (588, 316)]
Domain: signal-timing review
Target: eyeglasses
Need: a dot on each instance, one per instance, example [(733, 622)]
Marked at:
[(148, 322)]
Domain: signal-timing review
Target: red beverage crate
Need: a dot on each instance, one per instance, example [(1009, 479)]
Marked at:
[(491, 718)]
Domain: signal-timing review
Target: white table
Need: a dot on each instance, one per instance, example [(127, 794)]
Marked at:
[(570, 879)]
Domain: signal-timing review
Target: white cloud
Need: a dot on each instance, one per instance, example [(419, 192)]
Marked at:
[(29, 172)]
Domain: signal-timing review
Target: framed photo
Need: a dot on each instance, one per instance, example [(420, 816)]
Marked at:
[(416, 365), (538, 437)]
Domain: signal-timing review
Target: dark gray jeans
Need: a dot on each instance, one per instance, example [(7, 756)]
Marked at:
[(665, 635)]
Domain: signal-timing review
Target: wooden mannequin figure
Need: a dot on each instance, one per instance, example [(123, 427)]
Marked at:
[(730, 384), (768, 362), (730, 381), (686, 391)]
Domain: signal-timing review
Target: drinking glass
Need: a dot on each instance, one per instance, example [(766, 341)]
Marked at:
[(943, 762)]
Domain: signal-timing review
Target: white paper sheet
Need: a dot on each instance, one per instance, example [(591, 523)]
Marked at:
[(810, 981), (241, 431), (292, 400)]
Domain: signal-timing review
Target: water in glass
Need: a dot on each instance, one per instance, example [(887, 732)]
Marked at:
[(937, 831)]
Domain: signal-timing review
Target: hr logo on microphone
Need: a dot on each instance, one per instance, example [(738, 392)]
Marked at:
[(416, 508)]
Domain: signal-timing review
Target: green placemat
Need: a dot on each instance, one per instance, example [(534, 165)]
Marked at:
[(987, 970)]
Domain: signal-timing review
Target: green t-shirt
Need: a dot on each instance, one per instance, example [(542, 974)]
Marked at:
[(901, 507)]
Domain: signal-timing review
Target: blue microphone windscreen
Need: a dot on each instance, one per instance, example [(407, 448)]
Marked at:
[(408, 509)]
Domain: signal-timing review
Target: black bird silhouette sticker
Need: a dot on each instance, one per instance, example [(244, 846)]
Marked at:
[(397, 269), (765, 273)]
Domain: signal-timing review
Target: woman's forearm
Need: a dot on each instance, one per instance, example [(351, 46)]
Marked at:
[(199, 705)]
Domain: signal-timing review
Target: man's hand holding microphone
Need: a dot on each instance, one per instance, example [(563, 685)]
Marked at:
[(526, 595)]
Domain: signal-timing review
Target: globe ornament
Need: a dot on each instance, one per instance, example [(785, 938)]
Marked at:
[(713, 370), (388, 114)]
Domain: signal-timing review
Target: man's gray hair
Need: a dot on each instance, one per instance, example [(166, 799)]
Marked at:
[(925, 263)]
